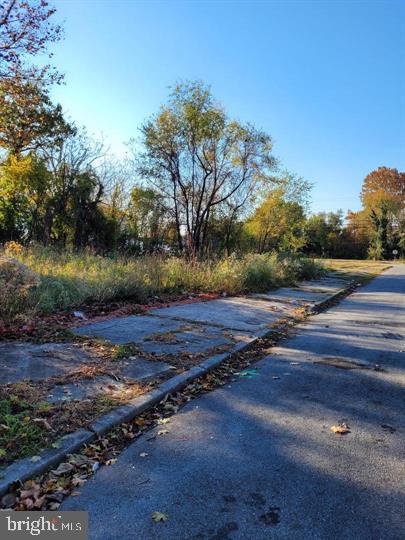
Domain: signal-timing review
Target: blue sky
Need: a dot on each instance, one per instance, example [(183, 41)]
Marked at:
[(325, 79)]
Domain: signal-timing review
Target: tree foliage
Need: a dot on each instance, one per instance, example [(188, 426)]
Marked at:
[(26, 30), (198, 159)]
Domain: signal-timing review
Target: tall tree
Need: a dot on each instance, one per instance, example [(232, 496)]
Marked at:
[(383, 197), (74, 182), (28, 118), (198, 159), (384, 184), (26, 30)]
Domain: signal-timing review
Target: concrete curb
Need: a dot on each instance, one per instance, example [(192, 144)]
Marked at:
[(25, 469), (316, 306)]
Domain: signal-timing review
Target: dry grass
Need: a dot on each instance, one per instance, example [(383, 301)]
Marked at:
[(68, 280), (362, 269)]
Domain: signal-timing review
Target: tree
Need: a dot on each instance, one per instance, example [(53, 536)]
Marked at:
[(383, 197), (324, 234), (147, 218), (277, 223), (28, 118), (379, 246), (75, 191), (26, 30), (384, 184), (198, 159)]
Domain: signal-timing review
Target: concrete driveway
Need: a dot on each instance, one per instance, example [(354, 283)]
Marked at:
[(258, 460)]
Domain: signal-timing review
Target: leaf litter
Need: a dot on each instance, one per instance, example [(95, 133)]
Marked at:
[(47, 491)]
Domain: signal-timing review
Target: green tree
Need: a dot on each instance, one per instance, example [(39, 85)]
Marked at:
[(147, 218), (28, 118), (197, 158), (277, 224)]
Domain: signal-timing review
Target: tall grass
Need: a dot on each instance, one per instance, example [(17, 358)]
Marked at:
[(68, 280)]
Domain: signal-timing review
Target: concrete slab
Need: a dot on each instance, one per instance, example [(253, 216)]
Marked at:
[(25, 361), (239, 313), (158, 335), (132, 329), (322, 285), (87, 388), (139, 369), (193, 340), (293, 295)]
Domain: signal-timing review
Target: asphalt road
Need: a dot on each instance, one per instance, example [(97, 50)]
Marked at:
[(258, 460)]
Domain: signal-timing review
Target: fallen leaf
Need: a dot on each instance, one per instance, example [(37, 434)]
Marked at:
[(159, 516), (63, 468), (388, 428), (163, 431), (170, 407), (143, 454), (342, 429), (248, 373), (28, 504), (39, 502), (111, 461), (34, 459), (43, 423)]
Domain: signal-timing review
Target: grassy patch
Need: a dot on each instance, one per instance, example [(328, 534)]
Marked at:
[(29, 424), (123, 351), (363, 270), (68, 280), (19, 435)]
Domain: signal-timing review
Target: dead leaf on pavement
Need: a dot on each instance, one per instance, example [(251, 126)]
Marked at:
[(143, 454), (159, 516), (389, 428), (342, 429), (63, 468), (162, 421), (163, 431)]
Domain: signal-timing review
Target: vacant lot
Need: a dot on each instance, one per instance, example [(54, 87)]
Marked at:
[(63, 280)]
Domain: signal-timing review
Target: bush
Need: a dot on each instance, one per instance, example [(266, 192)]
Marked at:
[(16, 283)]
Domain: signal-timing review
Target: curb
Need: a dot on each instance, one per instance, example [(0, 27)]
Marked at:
[(25, 469)]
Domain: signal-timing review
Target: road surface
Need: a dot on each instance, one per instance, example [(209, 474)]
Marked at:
[(257, 459)]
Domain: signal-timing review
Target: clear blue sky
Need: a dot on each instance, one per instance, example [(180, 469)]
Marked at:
[(325, 78)]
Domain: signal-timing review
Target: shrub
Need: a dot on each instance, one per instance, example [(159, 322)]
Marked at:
[(16, 283)]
